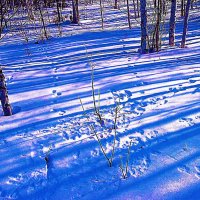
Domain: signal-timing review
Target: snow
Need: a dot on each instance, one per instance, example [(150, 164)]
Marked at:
[(47, 148)]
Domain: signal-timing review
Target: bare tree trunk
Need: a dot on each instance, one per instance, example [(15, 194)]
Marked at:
[(155, 4), (185, 26), (138, 10), (43, 24), (75, 19), (58, 11), (116, 4), (159, 12), (143, 14), (134, 7), (1, 15), (59, 17), (4, 96), (172, 23), (128, 12), (182, 8), (164, 7), (192, 4), (101, 10)]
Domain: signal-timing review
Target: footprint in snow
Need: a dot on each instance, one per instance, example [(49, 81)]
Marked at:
[(59, 93), (184, 169), (55, 93), (62, 112), (139, 110), (197, 117), (142, 92), (152, 134), (64, 135), (55, 69), (175, 90), (128, 93), (95, 153), (123, 95), (187, 121), (196, 90), (192, 81), (164, 101)]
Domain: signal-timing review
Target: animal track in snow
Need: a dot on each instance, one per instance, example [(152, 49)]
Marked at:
[(59, 93), (62, 112), (187, 121), (95, 153), (122, 96), (192, 81), (176, 89), (185, 169), (196, 90), (55, 93)]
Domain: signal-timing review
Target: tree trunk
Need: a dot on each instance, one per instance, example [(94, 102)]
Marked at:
[(192, 4), (182, 8), (43, 24), (159, 12), (128, 12), (115, 6), (143, 14), (134, 7), (75, 18), (4, 96), (1, 20), (101, 11), (155, 4), (138, 10), (172, 23), (185, 26), (58, 11)]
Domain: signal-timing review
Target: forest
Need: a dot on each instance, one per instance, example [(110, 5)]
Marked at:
[(100, 99)]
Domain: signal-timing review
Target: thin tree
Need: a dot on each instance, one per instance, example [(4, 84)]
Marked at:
[(158, 21), (128, 13), (172, 23), (101, 11), (143, 14), (116, 4), (182, 8), (134, 8), (138, 10), (185, 26), (43, 23), (58, 11)]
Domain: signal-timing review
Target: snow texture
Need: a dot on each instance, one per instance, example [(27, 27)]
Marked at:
[(47, 148)]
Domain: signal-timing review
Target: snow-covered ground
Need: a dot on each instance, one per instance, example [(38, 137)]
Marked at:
[(47, 148)]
